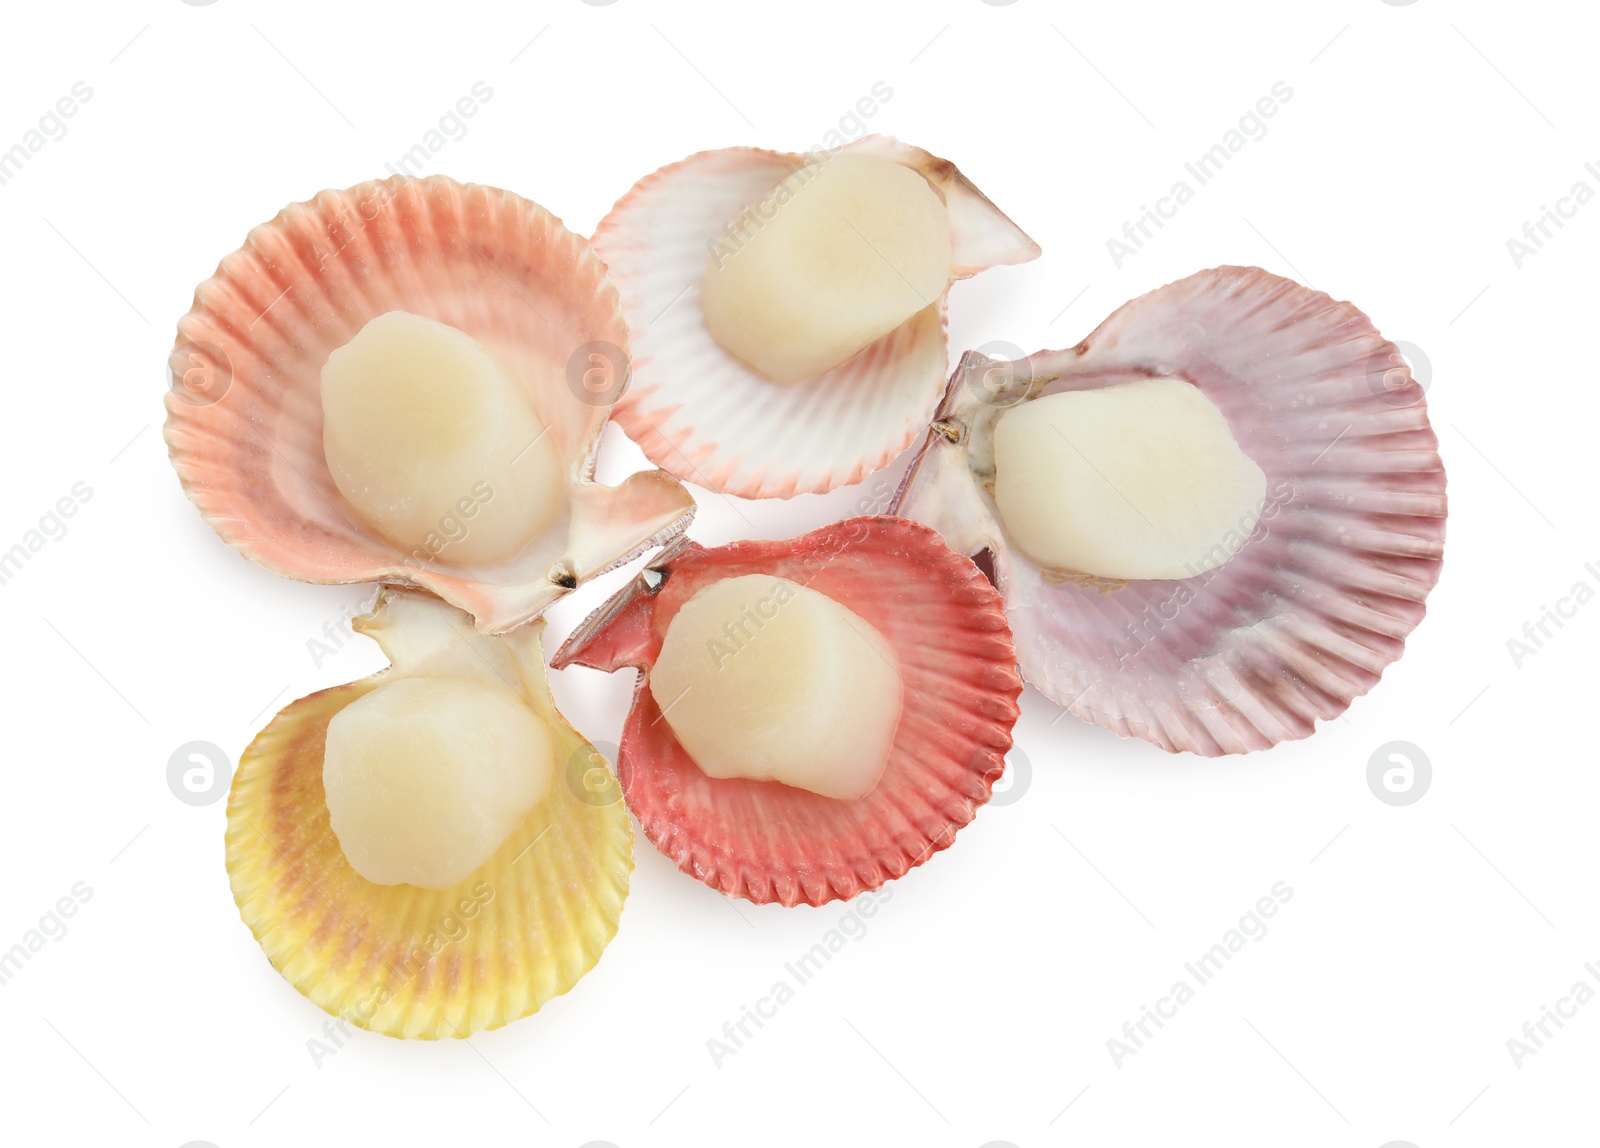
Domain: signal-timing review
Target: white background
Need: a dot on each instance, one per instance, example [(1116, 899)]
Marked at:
[(1418, 140)]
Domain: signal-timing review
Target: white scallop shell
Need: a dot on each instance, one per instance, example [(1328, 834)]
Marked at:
[(700, 413)]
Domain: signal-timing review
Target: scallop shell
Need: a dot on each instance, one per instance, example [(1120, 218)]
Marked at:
[(1321, 598), (413, 962), (766, 841), (244, 414), (699, 412)]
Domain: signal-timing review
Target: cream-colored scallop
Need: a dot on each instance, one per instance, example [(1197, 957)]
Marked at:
[(835, 257), (435, 444), (426, 777), (1137, 480), (764, 678)]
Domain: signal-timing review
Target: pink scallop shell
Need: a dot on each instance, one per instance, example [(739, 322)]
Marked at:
[(1306, 616), (700, 413), (246, 436), (766, 841)]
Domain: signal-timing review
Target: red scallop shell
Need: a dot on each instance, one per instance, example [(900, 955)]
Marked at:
[(766, 841)]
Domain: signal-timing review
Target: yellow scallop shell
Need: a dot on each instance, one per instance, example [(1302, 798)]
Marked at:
[(426, 963)]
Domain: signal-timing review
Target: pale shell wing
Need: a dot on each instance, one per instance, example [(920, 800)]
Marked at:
[(982, 236)]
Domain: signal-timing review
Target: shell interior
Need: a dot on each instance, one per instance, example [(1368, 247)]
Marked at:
[(413, 962), (767, 841), (244, 426), (700, 413), (1334, 576)]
